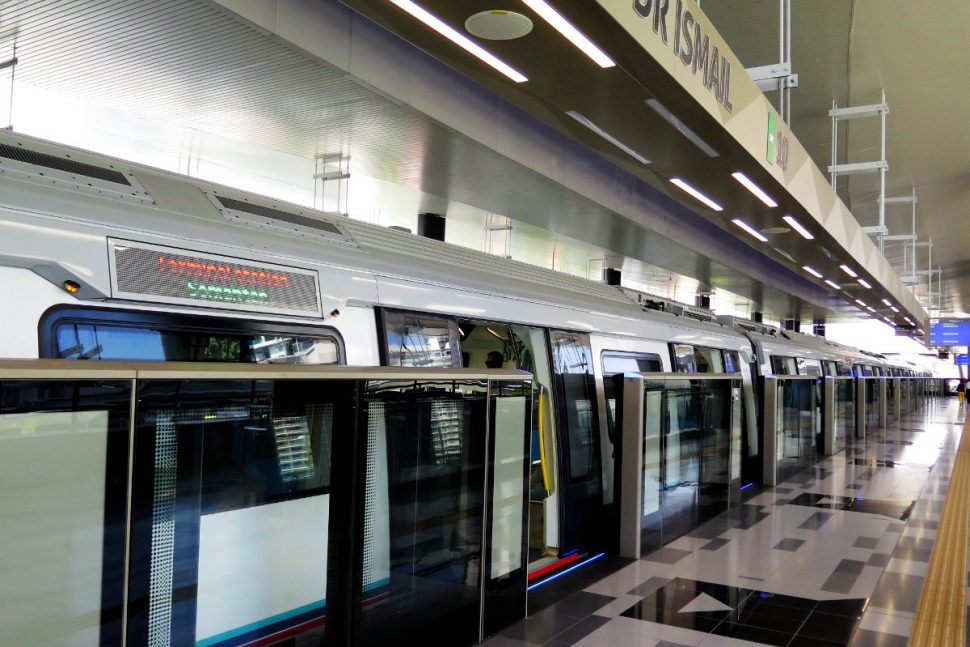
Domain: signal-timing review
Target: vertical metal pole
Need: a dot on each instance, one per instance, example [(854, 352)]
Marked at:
[(788, 60), (882, 179), (13, 71), (631, 466), (913, 241), (781, 56), (835, 144)]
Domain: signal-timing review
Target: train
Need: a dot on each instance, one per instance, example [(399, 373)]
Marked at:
[(104, 260)]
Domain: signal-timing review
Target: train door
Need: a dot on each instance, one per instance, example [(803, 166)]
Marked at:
[(499, 345), (580, 468)]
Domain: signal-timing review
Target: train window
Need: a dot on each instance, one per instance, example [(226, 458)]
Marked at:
[(783, 365), (696, 359), (845, 369), (616, 362), (732, 362), (831, 368), (108, 334), (420, 340), (683, 356), (708, 360), (576, 397), (809, 367)]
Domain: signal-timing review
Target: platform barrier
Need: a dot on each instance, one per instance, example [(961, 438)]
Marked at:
[(225, 504), (679, 454), (838, 413), (792, 425)]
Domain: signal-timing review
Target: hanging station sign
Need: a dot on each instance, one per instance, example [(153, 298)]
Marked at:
[(691, 42)]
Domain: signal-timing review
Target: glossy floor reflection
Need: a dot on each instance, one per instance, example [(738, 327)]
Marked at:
[(835, 555)]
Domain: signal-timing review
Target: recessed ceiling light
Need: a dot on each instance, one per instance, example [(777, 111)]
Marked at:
[(797, 226), (498, 24), (812, 271), (461, 40), (864, 283), (870, 309), (754, 188), (894, 308), (833, 284), (569, 32), (697, 194), (861, 302), (751, 230), (681, 127), (608, 137), (848, 270), (887, 302)]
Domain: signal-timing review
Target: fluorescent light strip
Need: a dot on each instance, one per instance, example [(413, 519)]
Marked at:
[(569, 32), (797, 226), (848, 270), (910, 321), (870, 309), (753, 188), (458, 39), (681, 127), (751, 230), (833, 284), (861, 302), (894, 308), (697, 194), (608, 137), (864, 283), (812, 271)]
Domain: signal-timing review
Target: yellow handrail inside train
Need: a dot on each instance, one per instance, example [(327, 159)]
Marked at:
[(543, 464)]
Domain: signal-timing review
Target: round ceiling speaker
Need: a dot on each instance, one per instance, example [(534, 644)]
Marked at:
[(775, 230), (498, 25)]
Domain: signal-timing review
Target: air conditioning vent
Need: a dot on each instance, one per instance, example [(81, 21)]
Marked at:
[(289, 223), (699, 315), (61, 164)]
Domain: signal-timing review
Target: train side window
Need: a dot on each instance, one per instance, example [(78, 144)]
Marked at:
[(420, 340), (808, 367), (615, 362), (108, 334), (683, 356), (783, 365), (732, 362), (572, 364), (708, 360)]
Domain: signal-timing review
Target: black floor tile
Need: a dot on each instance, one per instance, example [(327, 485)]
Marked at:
[(804, 641), (785, 600), (825, 626), (551, 593), (770, 616), (582, 604), (852, 607), (754, 634)]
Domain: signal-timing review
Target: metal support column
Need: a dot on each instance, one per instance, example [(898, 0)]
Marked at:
[(883, 402), (770, 417), (631, 466), (828, 415), (778, 76)]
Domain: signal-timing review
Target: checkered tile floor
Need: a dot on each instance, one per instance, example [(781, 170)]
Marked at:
[(834, 556)]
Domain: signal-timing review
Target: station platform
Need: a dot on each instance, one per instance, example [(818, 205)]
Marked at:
[(836, 555)]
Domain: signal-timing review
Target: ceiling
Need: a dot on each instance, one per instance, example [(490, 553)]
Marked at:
[(185, 62), (848, 51)]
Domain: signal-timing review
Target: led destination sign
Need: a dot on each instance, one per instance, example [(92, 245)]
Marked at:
[(155, 273), (950, 332)]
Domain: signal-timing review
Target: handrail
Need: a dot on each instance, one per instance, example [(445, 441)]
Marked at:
[(101, 369), (941, 617)]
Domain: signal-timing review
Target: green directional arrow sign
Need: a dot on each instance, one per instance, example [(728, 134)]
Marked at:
[(771, 138)]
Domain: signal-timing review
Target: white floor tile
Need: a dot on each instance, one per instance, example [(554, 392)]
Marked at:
[(887, 624), (907, 567)]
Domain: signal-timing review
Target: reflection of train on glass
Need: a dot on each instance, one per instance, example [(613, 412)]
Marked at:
[(104, 260)]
